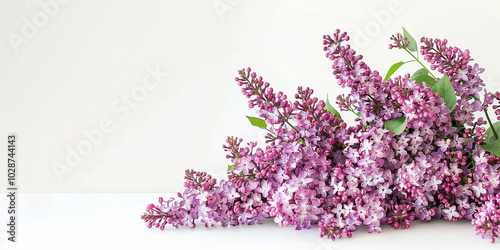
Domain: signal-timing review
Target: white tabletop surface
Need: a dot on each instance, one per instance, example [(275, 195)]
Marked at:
[(112, 221)]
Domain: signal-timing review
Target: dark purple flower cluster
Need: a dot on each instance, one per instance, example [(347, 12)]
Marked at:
[(317, 170)]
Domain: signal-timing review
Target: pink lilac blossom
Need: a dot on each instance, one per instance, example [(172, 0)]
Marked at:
[(316, 170)]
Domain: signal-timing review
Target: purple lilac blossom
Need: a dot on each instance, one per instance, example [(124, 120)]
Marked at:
[(316, 170)]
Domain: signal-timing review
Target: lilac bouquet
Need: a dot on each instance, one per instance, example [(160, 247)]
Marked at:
[(420, 150)]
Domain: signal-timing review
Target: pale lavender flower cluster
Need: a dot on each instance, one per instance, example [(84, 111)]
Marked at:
[(465, 78), (227, 203), (317, 170)]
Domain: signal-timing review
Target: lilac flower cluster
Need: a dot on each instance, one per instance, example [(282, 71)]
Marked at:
[(465, 78), (315, 169), (228, 203)]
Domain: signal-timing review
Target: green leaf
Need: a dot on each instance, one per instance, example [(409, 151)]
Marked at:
[(229, 167), (429, 81), (421, 71), (257, 122), (393, 69), (396, 125), (422, 75), (413, 44), (331, 109), (446, 91), (492, 144), (489, 132), (493, 148), (358, 114), (301, 140)]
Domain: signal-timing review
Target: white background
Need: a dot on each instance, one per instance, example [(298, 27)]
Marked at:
[(66, 69), (73, 72)]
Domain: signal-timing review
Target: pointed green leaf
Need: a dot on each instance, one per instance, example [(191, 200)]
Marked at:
[(492, 144), (358, 114), (393, 69), (257, 122), (446, 91), (429, 81), (493, 148), (413, 44), (489, 132), (422, 75), (331, 109), (396, 125), (421, 71), (301, 140)]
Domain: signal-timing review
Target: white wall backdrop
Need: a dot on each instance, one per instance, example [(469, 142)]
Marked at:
[(123, 96)]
